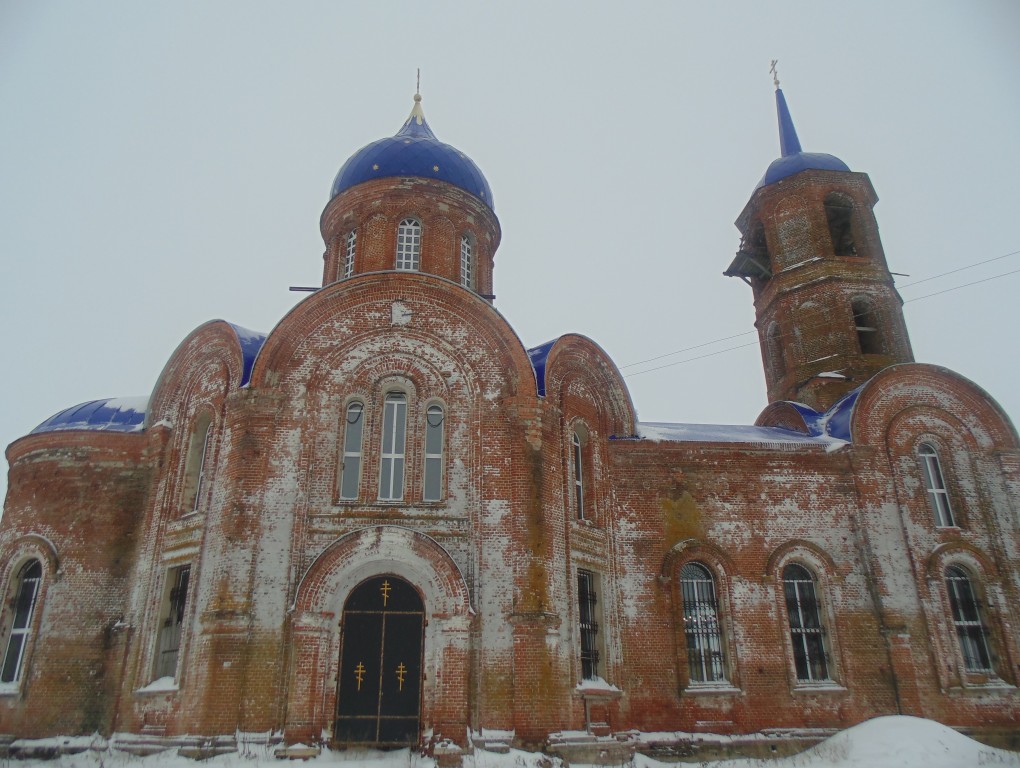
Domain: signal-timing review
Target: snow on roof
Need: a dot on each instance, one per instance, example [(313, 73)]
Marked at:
[(115, 414), (725, 433)]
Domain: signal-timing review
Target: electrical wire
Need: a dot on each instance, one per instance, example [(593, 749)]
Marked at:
[(810, 325)]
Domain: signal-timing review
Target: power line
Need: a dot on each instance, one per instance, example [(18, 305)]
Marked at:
[(958, 287), (811, 325), (747, 333), (959, 269)]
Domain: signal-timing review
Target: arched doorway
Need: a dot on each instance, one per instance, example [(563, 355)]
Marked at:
[(379, 685)]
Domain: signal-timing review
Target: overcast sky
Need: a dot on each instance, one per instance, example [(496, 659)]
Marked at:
[(164, 164)]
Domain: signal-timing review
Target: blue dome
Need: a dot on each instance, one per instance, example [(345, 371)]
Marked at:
[(414, 151), (794, 159), (119, 414)]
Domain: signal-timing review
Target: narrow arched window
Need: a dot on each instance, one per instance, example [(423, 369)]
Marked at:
[(807, 634), (577, 455), (350, 468), (935, 485), (701, 624), (971, 628), (25, 591), (839, 215), (467, 266), (434, 417), (774, 350), (391, 463), (408, 244), (349, 251), (869, 331), (195, 464)]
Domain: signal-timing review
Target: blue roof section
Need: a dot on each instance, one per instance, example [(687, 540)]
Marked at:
[(835, 422), (538, 356), (251, 343), (794, 159), (837, 418), (117, 414), (413, 151)]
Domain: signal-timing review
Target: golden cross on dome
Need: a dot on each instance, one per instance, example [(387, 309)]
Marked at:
[(774, 72), (417, 85)]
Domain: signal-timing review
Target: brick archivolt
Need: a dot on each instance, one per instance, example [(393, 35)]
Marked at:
[(913, 385), (413, 313), (380, 550), (208, 361), (576, 362)]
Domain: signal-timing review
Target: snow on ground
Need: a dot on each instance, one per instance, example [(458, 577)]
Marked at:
[(885, 742)]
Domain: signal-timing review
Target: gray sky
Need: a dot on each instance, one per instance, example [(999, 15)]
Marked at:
[(164, 164)]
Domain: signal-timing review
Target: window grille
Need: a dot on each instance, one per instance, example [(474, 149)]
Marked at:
[(391, 470), (434, 418), (806, 630), (169, 644), (466, 262), (701, 624), (587, 601), (408, 244), (350, 470), (352, 244), (935, 485), (967, 616), (23, 607)]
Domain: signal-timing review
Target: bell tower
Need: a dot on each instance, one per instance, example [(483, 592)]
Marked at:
[(827, 312)]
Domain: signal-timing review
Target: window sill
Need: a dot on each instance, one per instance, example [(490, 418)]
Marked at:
[(982, 687), (597, 689), (10, 689), (822, 686), (160, 685), (724, 688)]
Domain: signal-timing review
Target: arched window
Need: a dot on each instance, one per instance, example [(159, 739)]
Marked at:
[(391, 464), (578, 460), (25, 590), (839, 214), (971, 628), (171, 625), (408, 244), (702, 629), (935, 485), (349, 250), (869, 331), (350, 467), (774, 350), (434, 418), (467, 266), (807, 634), (195, 464)]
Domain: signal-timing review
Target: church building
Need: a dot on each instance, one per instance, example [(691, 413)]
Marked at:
[(387, 522)]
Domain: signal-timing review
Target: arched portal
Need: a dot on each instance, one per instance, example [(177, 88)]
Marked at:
[(380, 682)]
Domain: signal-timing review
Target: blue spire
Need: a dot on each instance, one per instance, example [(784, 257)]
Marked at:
[(789, 144), (793, 158)]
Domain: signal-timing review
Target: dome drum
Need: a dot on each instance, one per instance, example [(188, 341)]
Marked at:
[(374, 211)]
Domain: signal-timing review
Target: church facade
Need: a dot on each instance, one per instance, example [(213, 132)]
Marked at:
[(387, 522)]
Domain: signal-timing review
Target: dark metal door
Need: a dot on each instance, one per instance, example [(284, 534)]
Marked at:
[(379, 693)]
